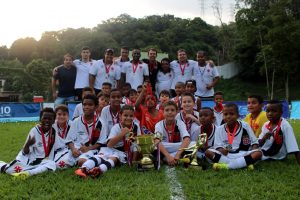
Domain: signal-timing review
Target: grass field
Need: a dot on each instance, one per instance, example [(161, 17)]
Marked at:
[(269, 180)]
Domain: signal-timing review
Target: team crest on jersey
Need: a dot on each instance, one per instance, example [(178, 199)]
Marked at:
[(62, 164), (18, 169), (246, 140)]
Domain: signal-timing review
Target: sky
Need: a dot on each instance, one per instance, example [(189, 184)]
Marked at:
[(30, 18)]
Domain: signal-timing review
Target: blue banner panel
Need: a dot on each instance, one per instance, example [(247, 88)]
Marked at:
[(71, 107), (12, 110), (295, 112)]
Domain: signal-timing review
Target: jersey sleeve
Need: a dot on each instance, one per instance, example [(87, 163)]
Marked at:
[(289, 138), (94, 69), (114, 132), (182, 129), (103, 134), (218, 138), (215, 72), (251, 134), (145, 70), (118, 72), (72, 134), (76, 112)]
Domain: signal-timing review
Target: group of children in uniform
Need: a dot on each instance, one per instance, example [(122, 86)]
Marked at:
[(104, 129)]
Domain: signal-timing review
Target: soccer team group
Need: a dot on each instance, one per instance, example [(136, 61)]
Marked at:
[(103, 130)]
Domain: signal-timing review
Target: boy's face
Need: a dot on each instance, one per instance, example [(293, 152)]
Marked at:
[(133, 97), (106, 89), (124, 53), (187, 103), (165, 65), (201, 58), (127, 118), (84, 93), (109, 56), (219, 99), (170, 112), (190, 88), (85, 54), (115, 98), (103, 101), (253, 105), (179, 89), (230, 115), (164, 98), (150, 101), (62, 117), (182, 57), (47, 120), (274, 112), (206, 117), (89, 107)]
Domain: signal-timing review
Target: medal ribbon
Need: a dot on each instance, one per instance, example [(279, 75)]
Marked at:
[(127, 143), (62, 134), (182, 68), (115, 118), (107, 68), (230, 136), (134, 67), (171, 133), (46, 148), (276, 135), (87, 128)]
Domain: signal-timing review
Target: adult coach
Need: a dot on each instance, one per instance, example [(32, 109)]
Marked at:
[(124, 57), (183, 69), (65, 76), (135, 72), (153, 66), (83, 66), (206, 76)]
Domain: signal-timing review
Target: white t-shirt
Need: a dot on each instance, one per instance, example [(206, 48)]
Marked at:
[(82, 75), (196, 130), (116, 130), (78, 111), (120, 63), (178, 135), (187, 69), (218, 117), (164, 81), (99, 70), (189, 124), (244, 138), (78, 134), (204, 76), (135, 73), (279, 151)]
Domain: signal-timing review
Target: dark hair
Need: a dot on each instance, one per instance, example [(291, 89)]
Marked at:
[(232, 105), (219, 93), (181, 50), (202, 52), (68, 56), (191, 81), (152, 49), (107, 84), (85, 48), (47, 110), (165, 92), (87, 89), (132, 91), (208, 108), (100, 94), (257, 97), (179, 83), (140, 86), (170, 103), (188, 94), (165, 59), (91, 97), (277, 103), (127, 107), (125, 48), (127, 85), (114, 90), (63, 108)]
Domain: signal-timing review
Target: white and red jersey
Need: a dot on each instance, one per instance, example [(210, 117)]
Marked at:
[(163, 81), (182, 72), (135, 73), (196, 130), (110, 73), (82, 74), (188, 123)]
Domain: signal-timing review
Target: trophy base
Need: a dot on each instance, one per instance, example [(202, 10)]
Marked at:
[(143, 168)]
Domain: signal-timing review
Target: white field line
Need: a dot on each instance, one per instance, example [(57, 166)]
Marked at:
[(174, 185)]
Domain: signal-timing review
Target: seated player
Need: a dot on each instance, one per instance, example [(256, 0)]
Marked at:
[(218, 108), (103, 100), (257, 117), (87, 134), (277, 138), (174, 135), (119, 146), (235, 143), (125, 93), (37, 154), (132, 97), (78, 111), (190, 87), (106, 88)]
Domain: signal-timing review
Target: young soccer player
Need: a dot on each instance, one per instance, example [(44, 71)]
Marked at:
[(106, 88), (149, 115), (190, 86), (257, 117), (87, 133), (277, 138), (125, 93), (119, 143), (179, 89), (174, 134), (164, 97), (218, 108), (187, 115), (103, 100), (37, 154), (235, 143), (132, 97), (78, 111), (110, 114)]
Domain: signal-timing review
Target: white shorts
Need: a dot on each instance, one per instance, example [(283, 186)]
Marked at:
[(107, 153)]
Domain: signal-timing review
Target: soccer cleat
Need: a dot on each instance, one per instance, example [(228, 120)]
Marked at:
[(95, 172), (81, 172), (220, 166), (250, 167), (2, 166), (21, 175)]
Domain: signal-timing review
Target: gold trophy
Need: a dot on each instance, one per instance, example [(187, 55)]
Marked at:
[(146, 146), (194, 148)]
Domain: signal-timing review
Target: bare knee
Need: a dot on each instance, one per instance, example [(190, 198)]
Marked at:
[(81, 161)]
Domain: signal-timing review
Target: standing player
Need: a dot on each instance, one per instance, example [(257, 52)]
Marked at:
[(179, 90), (206, 76), (277, 138), (104, 71), (174, 135), (153, 66), (257, 117), (83, 67), (135, 72), (123, 58), (235, 143), (218, 108)]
